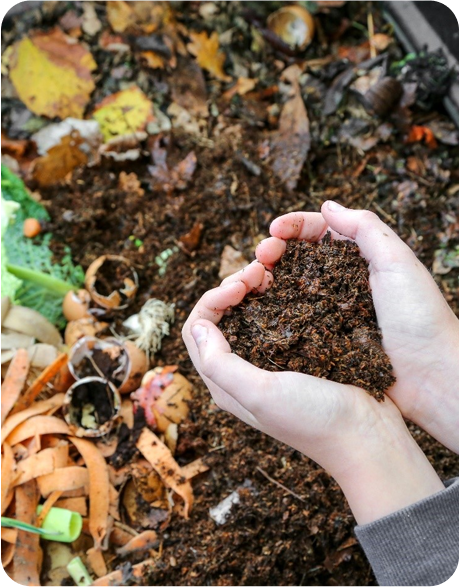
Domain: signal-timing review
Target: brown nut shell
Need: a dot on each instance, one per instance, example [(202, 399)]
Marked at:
[(294, 25), (75, 304), (101, 276), (91, 407)]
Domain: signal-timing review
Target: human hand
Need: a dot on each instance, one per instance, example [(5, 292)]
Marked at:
[(420, 332), (365, 445)]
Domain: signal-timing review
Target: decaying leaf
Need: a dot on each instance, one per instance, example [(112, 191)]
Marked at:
[(243, 86), (291, 142), (152, 59), (52, 74), (168, 179), (188, 88), (207, 53), (91, 25), (138, 16), (124, 113), (129, 183), (60, 160), (231, 261)]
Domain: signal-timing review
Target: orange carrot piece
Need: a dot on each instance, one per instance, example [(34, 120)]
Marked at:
[(14, 381), (49, 503), (144, 541), (99, 489), (8, 466), (8, 551), (42, 463), (65, 479), (74, 504), (10, 535), (121, 534), (26, 560), (116, 577), (7, 501), (194, 468), (36, 426), (38, 385), (96, 561), (48, 405), (161, 459)]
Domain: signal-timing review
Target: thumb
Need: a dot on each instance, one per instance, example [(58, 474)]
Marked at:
[(243, 381), (379, 245)]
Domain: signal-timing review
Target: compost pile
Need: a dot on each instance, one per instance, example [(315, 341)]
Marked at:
[(169, 135), (317, 318)]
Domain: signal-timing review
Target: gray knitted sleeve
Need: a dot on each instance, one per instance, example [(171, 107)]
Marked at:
[(417, 545)]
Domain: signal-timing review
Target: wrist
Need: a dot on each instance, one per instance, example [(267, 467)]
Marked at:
[(385, 472)]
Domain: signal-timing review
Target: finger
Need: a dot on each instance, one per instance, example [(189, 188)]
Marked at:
[(270, 250), (226, 370), (310, 226), (379, 245), (212, 305), (252, 276), (223, 399)]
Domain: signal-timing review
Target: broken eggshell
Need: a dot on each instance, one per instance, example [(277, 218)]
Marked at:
[(75, 304), (91, 407), (100, 286), (294, 25), (164, 395), (122, 363), (77, 329)]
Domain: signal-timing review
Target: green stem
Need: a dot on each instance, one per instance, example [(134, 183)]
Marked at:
[(57, 286)]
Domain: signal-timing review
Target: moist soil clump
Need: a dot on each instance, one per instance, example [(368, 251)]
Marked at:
[(318, 318)]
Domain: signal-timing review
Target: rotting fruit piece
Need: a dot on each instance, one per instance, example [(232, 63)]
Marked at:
[(164, 395), (317, 318)]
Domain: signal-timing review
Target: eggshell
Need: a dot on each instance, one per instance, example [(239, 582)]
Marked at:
[(75, 305)]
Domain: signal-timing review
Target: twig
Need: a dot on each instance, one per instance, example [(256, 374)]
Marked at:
[(370, 28), (280, 485)]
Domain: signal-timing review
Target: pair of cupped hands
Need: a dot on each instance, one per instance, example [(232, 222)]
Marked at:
[(363, 444)]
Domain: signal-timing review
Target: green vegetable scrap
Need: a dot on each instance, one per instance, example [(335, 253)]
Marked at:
[(29, 275)]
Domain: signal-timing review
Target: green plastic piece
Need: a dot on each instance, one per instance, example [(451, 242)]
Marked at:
[(68, 524), (78, 572)]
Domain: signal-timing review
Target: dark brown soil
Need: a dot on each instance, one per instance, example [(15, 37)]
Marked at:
[(317, 318)]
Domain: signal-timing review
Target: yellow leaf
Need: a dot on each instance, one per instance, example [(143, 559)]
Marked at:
[(124, 113), (137, 16), (52, 74), (120, 16), (152, 60), (208, 56)]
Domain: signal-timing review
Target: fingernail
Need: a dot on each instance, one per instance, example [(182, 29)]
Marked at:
[(335, 207), (199, 333)]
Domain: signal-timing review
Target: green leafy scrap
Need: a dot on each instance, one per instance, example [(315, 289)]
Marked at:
[(43, 282)]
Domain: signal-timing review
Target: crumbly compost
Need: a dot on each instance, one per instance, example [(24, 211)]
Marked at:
[(317, 318)]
